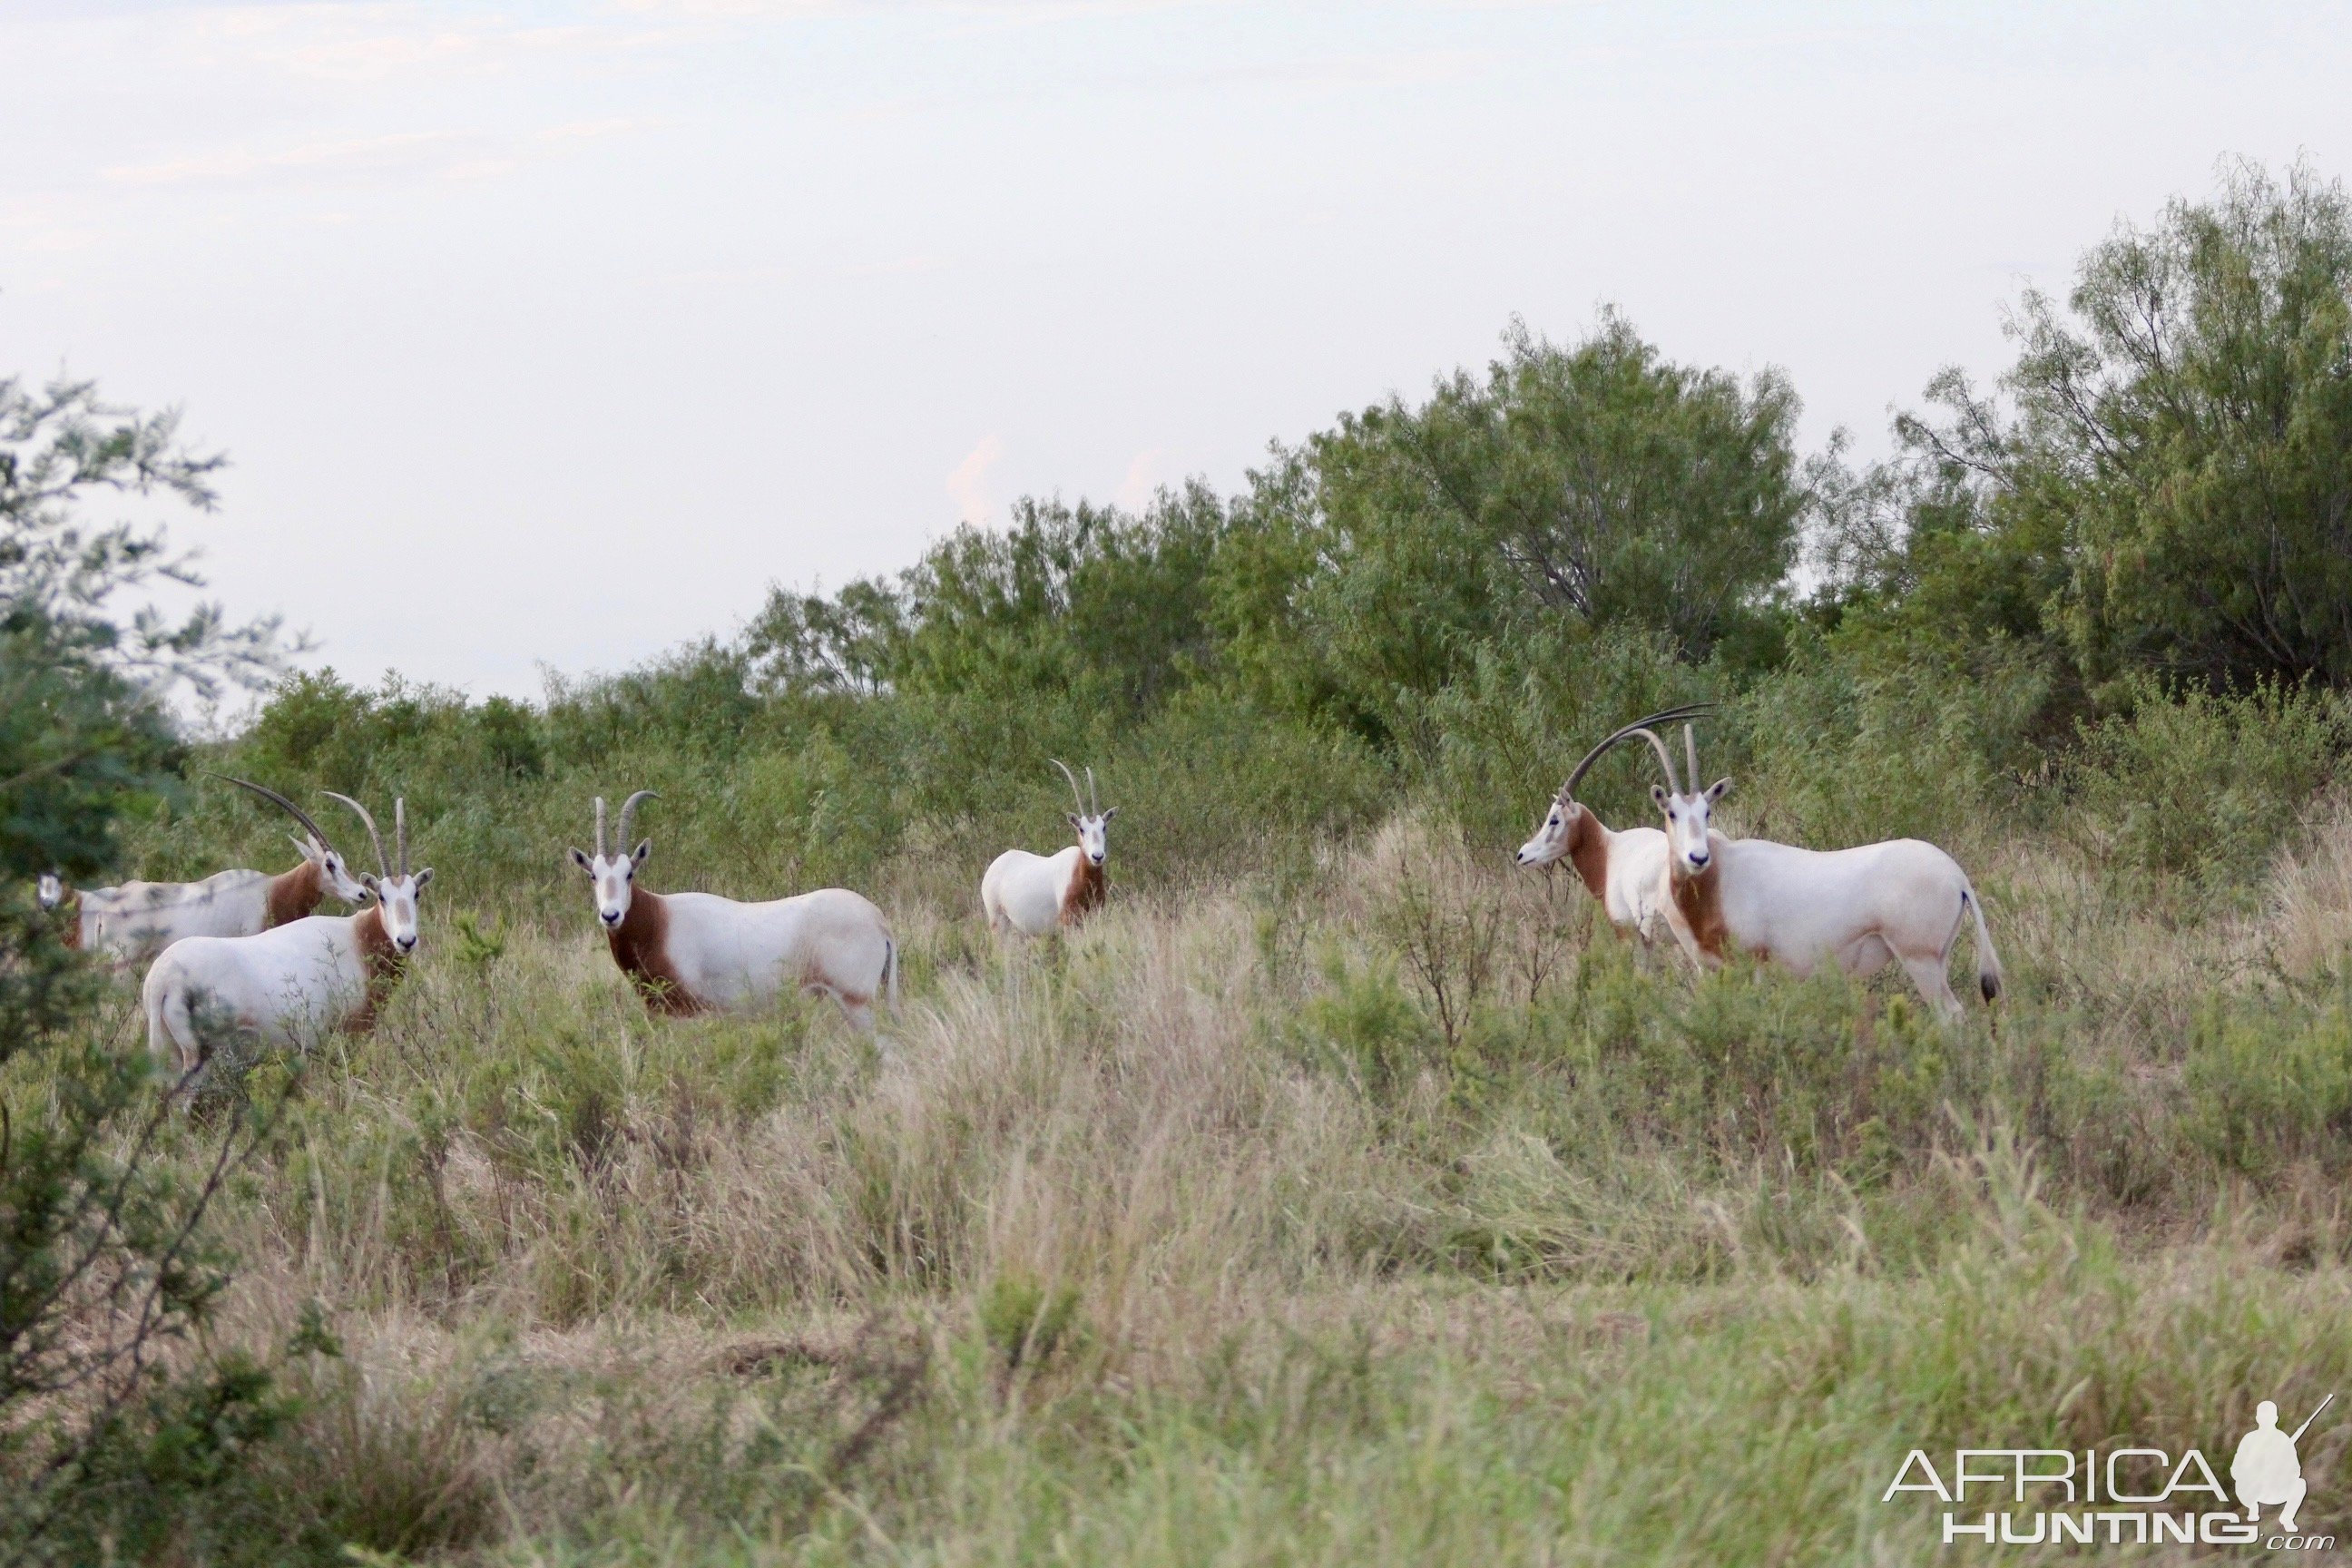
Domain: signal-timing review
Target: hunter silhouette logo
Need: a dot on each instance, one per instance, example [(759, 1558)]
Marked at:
[(2266, 1471), (2123, 1496)]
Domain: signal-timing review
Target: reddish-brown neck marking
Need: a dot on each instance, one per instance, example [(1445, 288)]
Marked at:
[(1700, 900), (1087, 891), (1587, 851), (293, 895), (640, 945), (384, 968), (69, 910)]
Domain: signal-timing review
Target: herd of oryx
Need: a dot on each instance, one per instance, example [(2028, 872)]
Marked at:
[(243, 955)]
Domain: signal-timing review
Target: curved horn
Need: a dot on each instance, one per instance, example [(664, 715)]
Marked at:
[(1074, 782), (1690, 752), (601, 853), (1665, 759), (629, 816), (374, 838), (1094, 800), (400, 831), (1593, 756), (276, 799)]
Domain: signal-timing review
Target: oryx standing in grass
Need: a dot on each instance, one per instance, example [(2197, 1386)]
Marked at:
[(1625, 870), (1903, 899), (1033, 894), (133, 923), (697, 953), (292, 984)]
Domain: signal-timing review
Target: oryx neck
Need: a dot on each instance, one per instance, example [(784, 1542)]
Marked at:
[(1087, 892), (1587, 851), (294, 894)]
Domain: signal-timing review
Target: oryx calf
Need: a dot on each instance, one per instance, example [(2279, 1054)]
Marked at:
[(293, 982), (697, 953), (1903, 899)]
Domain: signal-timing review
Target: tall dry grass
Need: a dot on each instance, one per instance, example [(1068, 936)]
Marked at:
[(1404, 1215)]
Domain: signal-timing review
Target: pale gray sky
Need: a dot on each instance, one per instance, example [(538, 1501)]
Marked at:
[(555, 333)]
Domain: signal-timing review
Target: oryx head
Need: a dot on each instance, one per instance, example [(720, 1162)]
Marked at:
[(1556, 831), (49, 891), (396, 890), (1092, 822), (1689, 812), (613, 870), (334, 873)]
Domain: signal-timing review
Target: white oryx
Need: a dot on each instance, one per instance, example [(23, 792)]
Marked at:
[(1903, 899), (292, 984), (1626, 869), (697, 953), (133, 923), (1033, 894)]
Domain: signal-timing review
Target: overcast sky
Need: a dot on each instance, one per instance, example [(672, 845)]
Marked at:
[(544, 333)]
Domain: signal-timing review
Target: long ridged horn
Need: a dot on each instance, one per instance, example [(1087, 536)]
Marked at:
[(1094, 800), (601, 853), (629, 816), (400, 831), (1627, 733), (1074, 784), (1666, 758), (1690, 751), (382, 865), (272, 796)]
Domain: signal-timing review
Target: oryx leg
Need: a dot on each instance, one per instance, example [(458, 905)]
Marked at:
[(1932, 973), (859, 1010)]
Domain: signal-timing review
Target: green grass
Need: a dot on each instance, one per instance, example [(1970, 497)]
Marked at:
[(1206, 1235)]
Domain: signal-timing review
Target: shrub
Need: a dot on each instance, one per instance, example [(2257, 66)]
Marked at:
[(2191, 788)]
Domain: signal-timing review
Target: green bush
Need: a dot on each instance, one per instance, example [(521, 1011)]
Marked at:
[(2200, 790)]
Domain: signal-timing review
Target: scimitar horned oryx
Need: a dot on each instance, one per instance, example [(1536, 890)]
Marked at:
[(1034, 894), (697, 953), (134, 921), (1624, 870), (1903, 899), (293, 984)]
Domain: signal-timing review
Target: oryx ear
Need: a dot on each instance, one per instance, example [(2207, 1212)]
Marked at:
[(1658, 794), (424, 876), (309, 846), (1071, 817), (581, 861), (368, 880), (1717, 790), (644, 848), (1111, 812)]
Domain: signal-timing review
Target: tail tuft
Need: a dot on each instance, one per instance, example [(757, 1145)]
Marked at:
[(1988, 961)]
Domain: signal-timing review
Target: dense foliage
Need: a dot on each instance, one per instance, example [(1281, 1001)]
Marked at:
[(103, 1267)]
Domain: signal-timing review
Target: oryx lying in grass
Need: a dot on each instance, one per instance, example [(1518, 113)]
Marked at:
[(134, 921), (1625, 870), (292, 984), (1903, 899), (697, 953), (1033, 894)]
